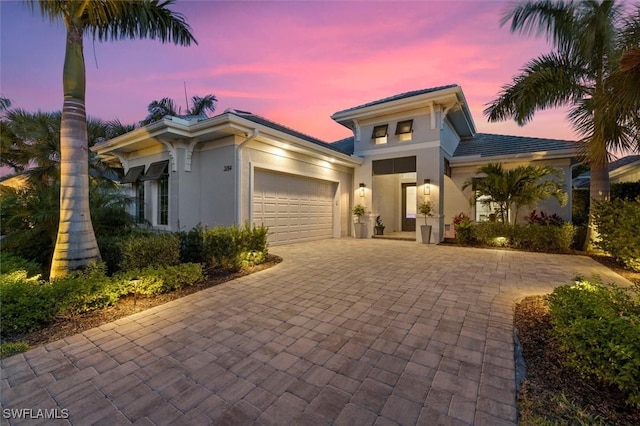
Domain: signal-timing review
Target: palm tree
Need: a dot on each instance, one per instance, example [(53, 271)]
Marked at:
[(589, 38), (515, 188), (76, 244), (167, 106)]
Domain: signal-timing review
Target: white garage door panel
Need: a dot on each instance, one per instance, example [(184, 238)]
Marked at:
[(295, 208)]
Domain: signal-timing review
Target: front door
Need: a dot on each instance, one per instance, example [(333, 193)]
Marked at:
[(409, 202)]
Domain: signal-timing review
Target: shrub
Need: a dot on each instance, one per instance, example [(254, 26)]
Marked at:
[(86, 290), (140, 251), (192, 245), (618, 222), (598, 327), (12, 348), (11, 263), (233, 247), (156, 280), (464, 232), (27, 303), (547, 239), (111, 249), (496, 234), (544, 219)]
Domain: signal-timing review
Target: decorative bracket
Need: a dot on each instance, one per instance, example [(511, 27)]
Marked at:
[(172, 154), (189, 154)]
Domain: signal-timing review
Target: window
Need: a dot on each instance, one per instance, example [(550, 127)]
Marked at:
[(404, 130), (488, 211), (158, 173), (380, 134), (139, 203), (163, 200), (133, 177)]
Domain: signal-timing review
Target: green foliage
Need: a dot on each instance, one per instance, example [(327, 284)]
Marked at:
[(233, 247), (598, 327), (154, 280), (358, 211), (618, 223), (580, 207), (111, 249), (11, 263), (142, 250), (425, 209), (464, 232), (192, 245), (86, 290), (547, 239), (518, 187), (27, 303), (533, 237), (628, 191), (11, 348)]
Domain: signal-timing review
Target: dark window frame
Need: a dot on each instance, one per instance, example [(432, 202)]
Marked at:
[(404, 127), (380, 131)]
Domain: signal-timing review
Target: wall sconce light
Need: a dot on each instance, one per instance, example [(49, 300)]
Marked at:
[(427, 186), (362, 185)]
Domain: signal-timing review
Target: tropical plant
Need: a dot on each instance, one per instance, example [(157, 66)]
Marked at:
[(76, 244), (591, 70), (167, 106), (515, 188)]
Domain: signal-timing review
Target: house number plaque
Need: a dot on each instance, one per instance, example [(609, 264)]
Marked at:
[(228, 168)]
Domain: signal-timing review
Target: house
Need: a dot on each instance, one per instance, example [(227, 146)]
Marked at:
[(238, 166), (625, 169)]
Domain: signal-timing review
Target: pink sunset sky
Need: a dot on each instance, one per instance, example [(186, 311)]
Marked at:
[(294, 62)]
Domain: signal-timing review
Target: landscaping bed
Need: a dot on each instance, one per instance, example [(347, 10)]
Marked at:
[(553, 393), (62, 327)]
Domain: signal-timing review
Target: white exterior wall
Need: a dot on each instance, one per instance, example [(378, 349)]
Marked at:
[(213, 165), (262, 156), (422, 133)]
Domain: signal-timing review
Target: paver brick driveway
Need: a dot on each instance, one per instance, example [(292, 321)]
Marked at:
[(351, 332)]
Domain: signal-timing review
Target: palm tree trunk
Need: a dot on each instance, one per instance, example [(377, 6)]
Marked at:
[(598, 191), (76, 244)]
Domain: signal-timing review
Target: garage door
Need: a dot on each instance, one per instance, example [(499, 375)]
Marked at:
[(294, 208)]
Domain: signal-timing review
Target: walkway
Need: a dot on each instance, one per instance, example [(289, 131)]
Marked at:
[(351, 332)]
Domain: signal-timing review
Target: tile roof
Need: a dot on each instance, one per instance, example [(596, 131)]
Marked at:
[(281, 128), (399, 96), (345, 145), (621, 162), (489, 145)]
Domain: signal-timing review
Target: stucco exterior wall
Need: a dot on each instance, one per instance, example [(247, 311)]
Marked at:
[(259, 155), (422, 132), (213, 183)]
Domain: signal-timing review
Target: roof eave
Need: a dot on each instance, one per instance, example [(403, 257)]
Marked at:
[(346, 117), (471, 160)]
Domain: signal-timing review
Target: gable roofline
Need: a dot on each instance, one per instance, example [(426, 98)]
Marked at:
[(449, 97)]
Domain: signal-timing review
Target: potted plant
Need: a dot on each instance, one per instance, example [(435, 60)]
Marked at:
[(379, 228), (425, 209), (360, 228)]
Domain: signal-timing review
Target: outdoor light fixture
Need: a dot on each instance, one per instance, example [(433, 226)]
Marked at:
[(362, 185), (427, 186)]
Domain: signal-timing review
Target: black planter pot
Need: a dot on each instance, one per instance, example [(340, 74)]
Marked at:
[(378, 230)]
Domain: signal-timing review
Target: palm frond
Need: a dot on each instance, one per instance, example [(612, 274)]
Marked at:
[(135, 19), (549, 81), (554, 19)]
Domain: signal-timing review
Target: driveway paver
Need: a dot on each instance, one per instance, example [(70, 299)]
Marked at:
[(342, 331)]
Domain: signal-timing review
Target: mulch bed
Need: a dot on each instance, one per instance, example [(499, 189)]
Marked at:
[(540, 395), (62, 327)]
